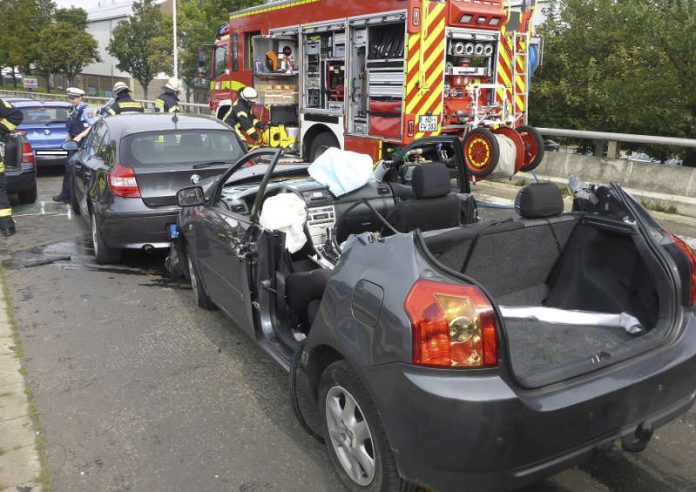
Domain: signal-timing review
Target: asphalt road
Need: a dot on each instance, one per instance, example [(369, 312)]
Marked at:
[(138, 389)]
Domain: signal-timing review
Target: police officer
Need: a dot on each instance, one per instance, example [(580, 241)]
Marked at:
[(122, 102), (80, 119), (242, 119), (9, 119), (168, 101)]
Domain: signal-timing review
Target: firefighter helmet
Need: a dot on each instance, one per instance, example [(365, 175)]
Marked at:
[(249, 94), (173, 84), (120, 87)]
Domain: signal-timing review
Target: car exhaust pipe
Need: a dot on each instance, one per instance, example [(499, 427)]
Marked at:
[(148, 248), (639, 440)]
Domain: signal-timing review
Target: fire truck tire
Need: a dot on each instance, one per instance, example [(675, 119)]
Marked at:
[(320, 143), (481, 152), (533, 147)]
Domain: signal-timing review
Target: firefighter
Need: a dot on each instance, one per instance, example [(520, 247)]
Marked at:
[(242, 119), (168, 101), (80, 119), (122, 102), (9, 119)]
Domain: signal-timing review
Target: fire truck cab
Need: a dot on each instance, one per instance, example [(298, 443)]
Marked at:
[(374, 76)]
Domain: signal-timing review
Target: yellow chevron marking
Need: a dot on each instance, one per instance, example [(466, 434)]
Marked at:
[(270, 9), (519, 103), (521, 86)]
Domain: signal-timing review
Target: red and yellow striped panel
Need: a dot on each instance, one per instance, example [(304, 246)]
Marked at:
[(504, 77), (426, 66), (521, 77)]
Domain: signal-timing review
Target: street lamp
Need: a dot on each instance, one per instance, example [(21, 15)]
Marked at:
[(176, 55)]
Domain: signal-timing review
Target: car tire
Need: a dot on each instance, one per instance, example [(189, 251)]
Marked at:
[(320, 144), (102, 253), (28, 196), (74, 204), (340, 388), (200, 295)]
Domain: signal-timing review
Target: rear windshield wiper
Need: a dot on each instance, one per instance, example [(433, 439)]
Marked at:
[(209, 164)]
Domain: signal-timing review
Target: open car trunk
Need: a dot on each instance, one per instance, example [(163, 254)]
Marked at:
[(572, 262)]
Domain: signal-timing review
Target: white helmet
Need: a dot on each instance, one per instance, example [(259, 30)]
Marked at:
[(173, 84), (249, 94), (120, 87), (75, 92)]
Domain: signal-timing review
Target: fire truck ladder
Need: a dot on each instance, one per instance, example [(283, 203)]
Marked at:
[(520, 76)]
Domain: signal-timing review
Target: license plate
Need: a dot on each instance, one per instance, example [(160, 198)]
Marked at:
[(427, 124)]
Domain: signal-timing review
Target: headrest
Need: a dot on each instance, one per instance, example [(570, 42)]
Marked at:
[(431, 180), (539, 200), (191, 140)]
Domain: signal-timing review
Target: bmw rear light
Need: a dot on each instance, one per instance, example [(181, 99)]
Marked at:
[(691, 258), (28, 154), (452, 325), (122, 182)]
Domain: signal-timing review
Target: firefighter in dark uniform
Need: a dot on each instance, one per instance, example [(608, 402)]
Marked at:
[(80, 119), (122, 102), (242, 119), (168, 101), (9, 119)]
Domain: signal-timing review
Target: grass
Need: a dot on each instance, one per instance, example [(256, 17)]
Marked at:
[(656, 207), (45, 473), (521, 183)]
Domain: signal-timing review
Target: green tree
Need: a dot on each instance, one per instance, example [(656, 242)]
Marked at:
[(20, 23), (136, 45), (619, 66), (66, 46)]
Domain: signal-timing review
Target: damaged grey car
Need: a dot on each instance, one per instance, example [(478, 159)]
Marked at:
[(427, 348)]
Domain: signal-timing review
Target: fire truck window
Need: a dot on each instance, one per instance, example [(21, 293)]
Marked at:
[(248, 52), (220, 60), (235, 53)]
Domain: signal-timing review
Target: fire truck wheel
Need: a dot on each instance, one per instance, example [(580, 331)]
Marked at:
[(320, 143), (533, 147), (481, 152)]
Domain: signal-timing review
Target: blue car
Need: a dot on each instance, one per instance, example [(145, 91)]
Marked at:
[(44, 127)]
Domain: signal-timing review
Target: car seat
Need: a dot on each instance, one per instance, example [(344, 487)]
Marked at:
[(435, 207)]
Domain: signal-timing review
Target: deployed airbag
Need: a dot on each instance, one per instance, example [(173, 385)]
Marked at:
[(286, 212), (341, 170)]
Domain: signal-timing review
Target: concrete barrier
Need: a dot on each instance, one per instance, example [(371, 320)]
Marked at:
[(658, 183)]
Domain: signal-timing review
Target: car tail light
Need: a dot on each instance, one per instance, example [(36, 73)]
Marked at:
[(122, 182), (691, 258), (27, 154), (21, 132), (453, 325)]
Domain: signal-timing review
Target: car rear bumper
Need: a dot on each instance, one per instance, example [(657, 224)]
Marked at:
[(20, 181), (44, 161), (449, 428), (137, 230)]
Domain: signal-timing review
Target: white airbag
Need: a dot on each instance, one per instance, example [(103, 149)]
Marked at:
[(286, 212), (341, 170)]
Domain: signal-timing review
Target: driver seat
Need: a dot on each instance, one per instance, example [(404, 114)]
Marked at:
[(435, 207)]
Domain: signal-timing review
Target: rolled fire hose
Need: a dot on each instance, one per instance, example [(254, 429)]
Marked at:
[(459, 48), (488, 50), (469, 49), (478, 49)]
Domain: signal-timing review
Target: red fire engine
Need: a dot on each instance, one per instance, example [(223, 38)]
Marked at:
[(371, 75)]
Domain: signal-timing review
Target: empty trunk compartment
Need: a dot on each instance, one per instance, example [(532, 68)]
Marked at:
[(572, 263)]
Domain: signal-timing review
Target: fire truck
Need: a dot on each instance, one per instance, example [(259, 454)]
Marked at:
[(373, 76)]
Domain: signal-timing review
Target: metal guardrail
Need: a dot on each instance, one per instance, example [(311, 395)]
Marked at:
[(97, 102)]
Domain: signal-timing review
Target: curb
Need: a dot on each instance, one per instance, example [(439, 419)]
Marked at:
[(20, 464)]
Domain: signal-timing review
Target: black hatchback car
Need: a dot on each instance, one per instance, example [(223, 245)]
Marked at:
[(125, 177)]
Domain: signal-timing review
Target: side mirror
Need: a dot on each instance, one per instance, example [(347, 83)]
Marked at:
[(190, 197), (70, 145)]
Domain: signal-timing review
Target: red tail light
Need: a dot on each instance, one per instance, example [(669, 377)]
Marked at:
[(691, 258), (27, 154), (453, 325), (122, 182)]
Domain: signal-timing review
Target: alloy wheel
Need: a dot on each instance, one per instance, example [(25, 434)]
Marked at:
[(350, 435)]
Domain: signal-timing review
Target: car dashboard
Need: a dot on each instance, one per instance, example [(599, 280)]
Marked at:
[(324, 211)]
